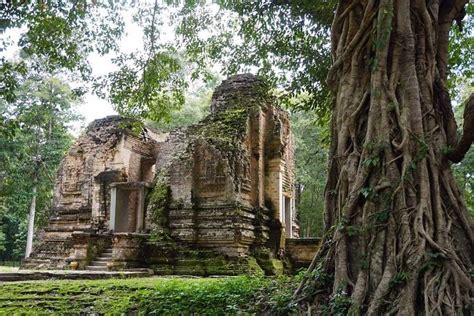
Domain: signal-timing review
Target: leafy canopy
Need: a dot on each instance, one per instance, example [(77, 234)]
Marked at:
[(286, 43), (38, 122)]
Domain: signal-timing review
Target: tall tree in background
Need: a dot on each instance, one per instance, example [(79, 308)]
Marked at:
[(311, 149), (195, 108), (40, 119)]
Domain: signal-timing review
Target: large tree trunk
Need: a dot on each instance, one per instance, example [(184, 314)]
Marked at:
[(31, 223), (398, 240)]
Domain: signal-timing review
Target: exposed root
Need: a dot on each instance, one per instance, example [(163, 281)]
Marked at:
[(398, 238)]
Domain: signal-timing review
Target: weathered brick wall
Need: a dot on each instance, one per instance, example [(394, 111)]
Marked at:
[(106, 152), (224, 172), (215, 179)]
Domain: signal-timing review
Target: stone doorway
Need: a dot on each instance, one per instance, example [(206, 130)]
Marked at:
[(127, 206)]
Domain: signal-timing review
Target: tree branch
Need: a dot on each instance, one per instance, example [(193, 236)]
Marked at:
[(457, 155)]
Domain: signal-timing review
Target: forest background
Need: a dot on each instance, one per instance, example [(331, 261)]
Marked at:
[(185, 50)]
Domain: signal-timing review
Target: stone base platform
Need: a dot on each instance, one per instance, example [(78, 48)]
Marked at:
[(301, 251), (30, 275)]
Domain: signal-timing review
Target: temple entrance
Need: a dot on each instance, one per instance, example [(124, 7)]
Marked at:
[(119, 210), (101, 192), (127, 207)]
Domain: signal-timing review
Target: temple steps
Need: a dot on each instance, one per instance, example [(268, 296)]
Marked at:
[(51, 248), (97, 268), (100, 263), (102, 259), (65, 228), (71, 217)]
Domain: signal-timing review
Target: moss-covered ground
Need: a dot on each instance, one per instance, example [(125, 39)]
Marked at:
[(144, 296)]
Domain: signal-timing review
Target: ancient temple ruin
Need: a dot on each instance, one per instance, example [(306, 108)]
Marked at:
[(214, 198)]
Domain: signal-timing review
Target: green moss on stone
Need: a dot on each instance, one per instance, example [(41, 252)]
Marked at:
[(158, 203), (224, 128), (254, 267), (217, 266), (190, 267), (201, 263), (269, 264), (278, 267), (272, 266)]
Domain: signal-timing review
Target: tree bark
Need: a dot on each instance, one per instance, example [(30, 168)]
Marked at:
[(460, 149), (398, 237), (31, 223)]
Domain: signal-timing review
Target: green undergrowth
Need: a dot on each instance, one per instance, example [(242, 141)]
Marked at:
[(158, 203), (241, 295)]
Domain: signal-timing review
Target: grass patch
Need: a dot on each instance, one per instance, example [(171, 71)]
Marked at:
[(155, 296)]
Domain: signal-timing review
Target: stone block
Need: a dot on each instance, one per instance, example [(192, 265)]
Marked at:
[(301, 251)]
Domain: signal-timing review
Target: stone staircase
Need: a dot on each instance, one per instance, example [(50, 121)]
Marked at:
[(100, 263), (54, 243), (50, 252)]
